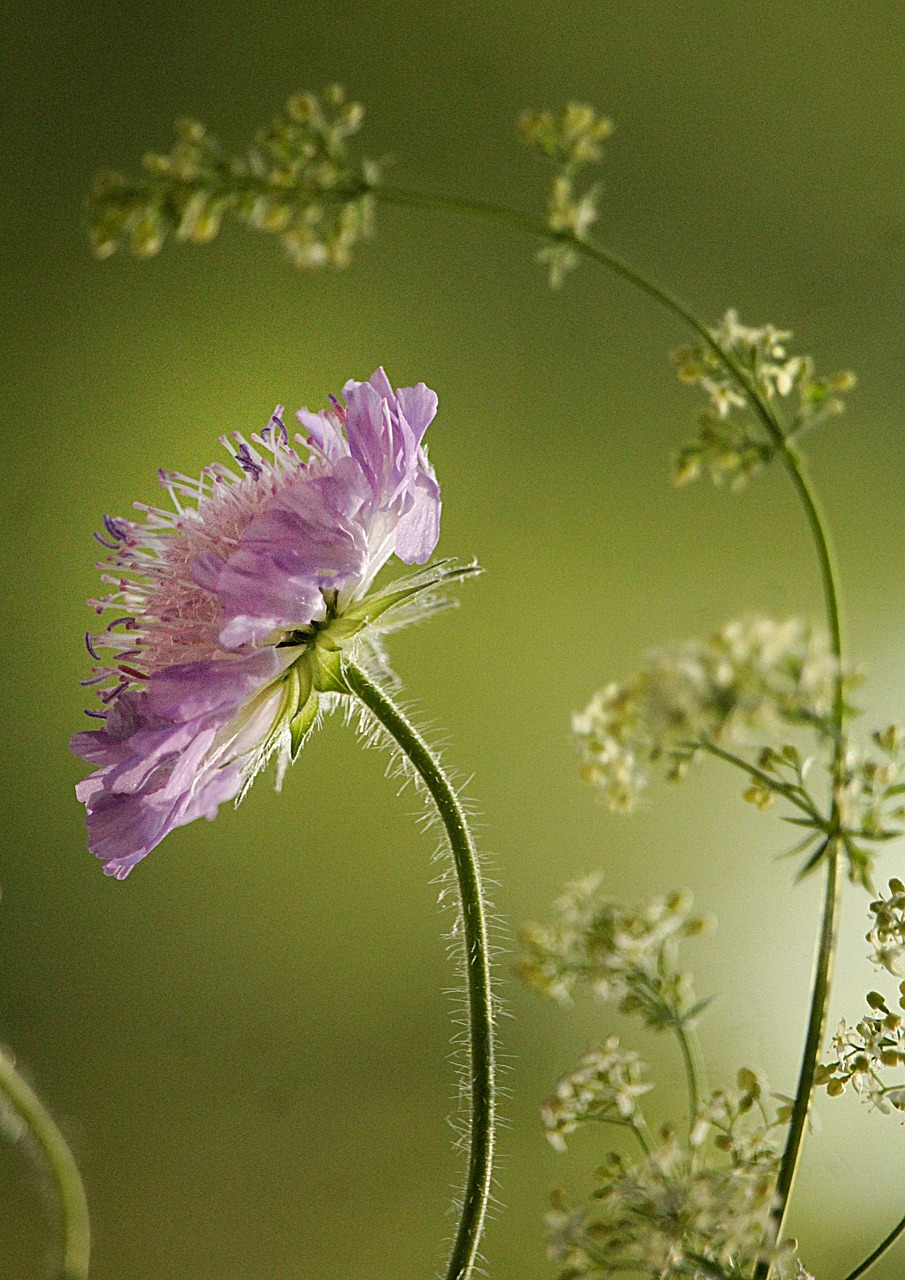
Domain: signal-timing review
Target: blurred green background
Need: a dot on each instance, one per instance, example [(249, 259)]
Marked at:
[(247, 1042)]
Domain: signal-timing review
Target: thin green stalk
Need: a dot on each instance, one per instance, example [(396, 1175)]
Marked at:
[(789, 791), (878, 1252), (70, 1191), (692, 1074), (813, 1045), (792, 462), (632, 1126), (477, 965)]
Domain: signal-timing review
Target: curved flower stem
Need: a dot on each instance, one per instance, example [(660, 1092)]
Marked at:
[(792, 463), (73, 1204), (477, 964), (878, 1252)]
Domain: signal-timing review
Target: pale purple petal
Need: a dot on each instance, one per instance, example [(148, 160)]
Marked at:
[(324, 432), (311, 540), (381, 383), (172, 752), (419, 529), (418, 405), (369, 429)]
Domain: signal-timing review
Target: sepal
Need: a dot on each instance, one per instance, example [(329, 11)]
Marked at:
[(301, 725)]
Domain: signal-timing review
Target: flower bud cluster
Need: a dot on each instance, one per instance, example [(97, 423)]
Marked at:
[(604, 1086), (869, 799), (628, 955), (737, 1123), (731, 443), (572, 139), (299, 181), (865, 1052), (887, 934), (756, 674), (684, 1210)]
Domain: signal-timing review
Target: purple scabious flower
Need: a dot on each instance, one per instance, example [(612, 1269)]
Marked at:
[(234, 609)]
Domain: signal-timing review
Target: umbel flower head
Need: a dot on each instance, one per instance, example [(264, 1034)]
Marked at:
[(235, 609)]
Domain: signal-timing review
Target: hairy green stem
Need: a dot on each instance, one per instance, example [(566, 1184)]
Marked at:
[(71, 1193), (878, 1252), (477, 964)]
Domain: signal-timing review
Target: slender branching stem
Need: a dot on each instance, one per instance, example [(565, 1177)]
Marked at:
[(692, 1073), (877, 1254), (794, 794), (76, 1231), (793, 464), (638, 1128), (477, 963)]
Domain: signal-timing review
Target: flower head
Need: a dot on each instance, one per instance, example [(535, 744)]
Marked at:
[(235, 608)]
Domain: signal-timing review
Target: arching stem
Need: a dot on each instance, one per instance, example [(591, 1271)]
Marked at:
[(477, 964), (68, 1182), (877, 1254), (791, 461)]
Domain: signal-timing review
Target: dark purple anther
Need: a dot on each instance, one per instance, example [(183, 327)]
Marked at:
[(108, 695), (247, 462), (98, 679), (133, 671), (114, 546), (116, 527), (90, 647), (97, 715), (118, 622), (278, 421)]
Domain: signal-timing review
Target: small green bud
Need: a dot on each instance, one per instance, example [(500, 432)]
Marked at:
[(760, 797), (748, 1082), (678, 903), (147, 234), (192, 131)]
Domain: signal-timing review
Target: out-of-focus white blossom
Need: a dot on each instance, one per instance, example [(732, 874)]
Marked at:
[(755, 674)]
